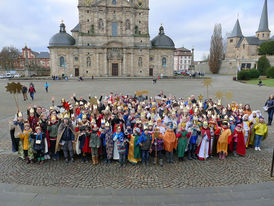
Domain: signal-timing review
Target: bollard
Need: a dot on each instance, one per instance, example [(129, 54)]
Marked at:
[(271, 174)]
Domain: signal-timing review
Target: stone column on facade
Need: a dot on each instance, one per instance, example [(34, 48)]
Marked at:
[(131, 65), (105, 63), (98, 65), (124, 70)]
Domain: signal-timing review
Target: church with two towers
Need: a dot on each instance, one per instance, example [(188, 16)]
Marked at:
[(111, 39), (242, 51)]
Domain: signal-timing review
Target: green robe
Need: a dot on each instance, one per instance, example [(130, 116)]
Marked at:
[(182, 143), (137, 150)]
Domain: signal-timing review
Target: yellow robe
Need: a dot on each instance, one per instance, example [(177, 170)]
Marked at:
[(222, 144), (25, 138)]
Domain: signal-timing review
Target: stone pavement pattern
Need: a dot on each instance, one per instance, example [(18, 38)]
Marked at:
[(254, 168)]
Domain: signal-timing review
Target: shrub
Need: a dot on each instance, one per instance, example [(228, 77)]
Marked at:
[(244, 75), (263, 65), (267, 48), (270, 72), (254, 73)]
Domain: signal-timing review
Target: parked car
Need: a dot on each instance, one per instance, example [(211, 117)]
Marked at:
[(17, 76), (2, 76), (9, 75)]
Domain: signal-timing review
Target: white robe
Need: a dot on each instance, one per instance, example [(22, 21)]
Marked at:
[(115, 150), (203, 152)]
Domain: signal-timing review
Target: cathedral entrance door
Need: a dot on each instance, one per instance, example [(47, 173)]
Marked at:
[(77, 72), (150, 72), (114, 69)]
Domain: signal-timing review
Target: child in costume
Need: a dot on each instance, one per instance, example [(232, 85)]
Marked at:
[(246, 128), (26, 142), (157, 145), (144, 142), (39, 144), (237, 141), (134, 151), (94, 144), (195, 130), (52, 131), (107, 141), (116, 136), (261, 130), (182, 137), (203, 151), (223, 140), (169, 142), (121, 146), (83, 143)]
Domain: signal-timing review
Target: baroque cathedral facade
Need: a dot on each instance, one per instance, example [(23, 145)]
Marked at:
[(111, 39)]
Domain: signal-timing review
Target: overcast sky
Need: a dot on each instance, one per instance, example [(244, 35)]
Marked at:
[(188, 22)]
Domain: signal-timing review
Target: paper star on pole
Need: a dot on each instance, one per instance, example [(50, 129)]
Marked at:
[(93, 101), (229, 95), (14, 88), (207, 82), (200, 97), (219, 94)]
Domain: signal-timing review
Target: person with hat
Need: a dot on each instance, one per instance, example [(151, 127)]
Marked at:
[(116, 137), (144, 142), (26, 143), (169, 142), (223, 141), (203, 150), (261, 131), (39, 144), (195, 131), (107, 143), (52, 131), (94, 144), (237, 141), (134, 151), (65, 138), (16, 126), (182, 136), (246, 129), (157, 145)]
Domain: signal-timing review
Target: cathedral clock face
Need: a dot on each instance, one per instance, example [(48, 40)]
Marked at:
[(140, 3)]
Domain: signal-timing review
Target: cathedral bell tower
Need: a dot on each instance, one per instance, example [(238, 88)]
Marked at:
[(263, 32)]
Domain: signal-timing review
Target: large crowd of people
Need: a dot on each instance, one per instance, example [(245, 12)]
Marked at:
[(136, 128)]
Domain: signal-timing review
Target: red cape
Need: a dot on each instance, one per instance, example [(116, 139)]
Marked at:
[(207, 132), (241, 150)]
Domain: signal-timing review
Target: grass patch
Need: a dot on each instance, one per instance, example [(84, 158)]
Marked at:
[(267, 82)]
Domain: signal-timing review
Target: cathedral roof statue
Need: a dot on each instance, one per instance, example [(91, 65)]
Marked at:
[(162, 40), (62, 38), (237, 31), (263, 26)]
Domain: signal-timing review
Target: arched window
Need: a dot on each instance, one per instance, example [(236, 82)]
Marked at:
[(127, 24), (114, 2), (88, 62), (164, 62), (62, 61), (101, 25), (140, 62)]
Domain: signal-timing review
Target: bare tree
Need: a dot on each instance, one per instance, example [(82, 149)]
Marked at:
[(8, 57), (216, 49)]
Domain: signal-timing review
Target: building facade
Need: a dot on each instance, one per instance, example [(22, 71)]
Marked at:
[(31, 58), (242, 51), (183, 59), (111, 39)]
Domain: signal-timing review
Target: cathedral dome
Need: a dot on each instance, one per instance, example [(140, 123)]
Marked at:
[(62, 38), (162, 40)]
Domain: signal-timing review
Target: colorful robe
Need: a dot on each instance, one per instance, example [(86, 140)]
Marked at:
[(182, 142)]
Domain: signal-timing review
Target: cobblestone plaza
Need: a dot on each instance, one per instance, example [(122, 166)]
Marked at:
[(253, 168)]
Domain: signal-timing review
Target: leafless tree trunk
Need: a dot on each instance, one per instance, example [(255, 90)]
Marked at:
[(216, 49), (8, 57)]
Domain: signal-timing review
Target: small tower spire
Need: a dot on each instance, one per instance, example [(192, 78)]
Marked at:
[(263, 26), (237, 31)]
